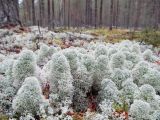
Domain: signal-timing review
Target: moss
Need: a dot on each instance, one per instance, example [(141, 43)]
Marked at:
[(4, 117), (114, 36), (150, 36), (57, 41)]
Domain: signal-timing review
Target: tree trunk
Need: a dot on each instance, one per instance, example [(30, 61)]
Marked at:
[(86, 13), (16, 4), (101, 13), (33, 14), (138, 13), (117, 14), (111, 14), (28, 10), (158, 18), (42, 17), (95, 16), (10, 11), (40, 13), (128, 13), (64, 13), (68, 13), (49, 15), (53, 17)]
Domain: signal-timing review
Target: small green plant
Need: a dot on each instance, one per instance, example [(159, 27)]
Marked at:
[(121, 107)]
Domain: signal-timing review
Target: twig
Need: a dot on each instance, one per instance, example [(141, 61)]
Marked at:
[(39, 28)]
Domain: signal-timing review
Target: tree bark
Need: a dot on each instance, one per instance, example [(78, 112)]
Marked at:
[(95, 16), (68, 13), (10, 11), (117, 14), (88, 14), (128, 13), (138, 13), (41, 7), (111, 14), (33, 14), (49, 16), (101, 13), (64, 13), (53, 17)]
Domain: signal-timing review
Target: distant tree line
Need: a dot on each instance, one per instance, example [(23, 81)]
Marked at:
[(82, 13)]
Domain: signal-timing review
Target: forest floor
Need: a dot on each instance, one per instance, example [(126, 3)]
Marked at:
[(114, 35), (14, 40)]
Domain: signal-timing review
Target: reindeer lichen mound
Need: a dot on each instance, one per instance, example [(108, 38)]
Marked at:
[(24, 67), (60, 77), (29, 97)]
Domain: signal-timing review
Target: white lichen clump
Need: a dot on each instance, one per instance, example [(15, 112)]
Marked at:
[(140, 110), (117, 60), (109, 79), (102, 69), (101, 50), (129, 88), (24, 67), (147, 92), (72, 57), (29, 97), (109, 90), (148, 55), (60, 76)]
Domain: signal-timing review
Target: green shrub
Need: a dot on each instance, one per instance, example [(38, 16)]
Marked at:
[(151, 36)]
